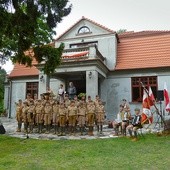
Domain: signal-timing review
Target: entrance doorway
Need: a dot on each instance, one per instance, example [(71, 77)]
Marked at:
[(80, 86)]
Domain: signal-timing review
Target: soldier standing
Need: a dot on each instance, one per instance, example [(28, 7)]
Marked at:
[(39, 115), (72, 117), (19, 114), (77, 103), (55, 116), (30, 116), (47, 116), (66, 101), (61, 93), (100, 115), (91, 109), (81, 117), (24, 115), (62, 118)]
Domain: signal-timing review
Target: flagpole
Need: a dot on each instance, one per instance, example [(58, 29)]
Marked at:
[(157, 110)]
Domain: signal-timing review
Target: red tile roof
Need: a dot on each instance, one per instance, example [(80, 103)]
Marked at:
[(20, 70), (84, 18), (146, 49)]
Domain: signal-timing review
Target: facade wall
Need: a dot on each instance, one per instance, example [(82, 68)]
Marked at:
[(117, 87), (18, 91)]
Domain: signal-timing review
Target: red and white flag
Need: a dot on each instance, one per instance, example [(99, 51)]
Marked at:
[(152, 98), (147, 116), (166, 98)]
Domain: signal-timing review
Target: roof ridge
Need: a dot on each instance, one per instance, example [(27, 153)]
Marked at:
[(85, 18), (133, 34)]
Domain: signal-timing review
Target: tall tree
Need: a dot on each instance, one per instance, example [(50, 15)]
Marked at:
[(2, 80), (27, 26)]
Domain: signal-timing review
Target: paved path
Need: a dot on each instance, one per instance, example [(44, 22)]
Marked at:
[(10, 126)]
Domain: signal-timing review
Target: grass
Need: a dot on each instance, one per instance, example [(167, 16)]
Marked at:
[(149, 153)]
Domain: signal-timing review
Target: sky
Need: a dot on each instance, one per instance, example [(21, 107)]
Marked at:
[(132, 15)]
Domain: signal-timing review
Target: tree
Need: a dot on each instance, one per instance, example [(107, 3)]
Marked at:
[(2, 80), (121, 31), (27, 26)]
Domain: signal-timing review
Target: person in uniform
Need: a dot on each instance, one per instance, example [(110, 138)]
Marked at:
[(35, 99), (55, 116), (83, 99), (66, 101), (77, 103), (42, 98), (47, 116), (91, 110), (89, 100), (62, 118), (39, 115), (97, 99), (100, 116), (126, 105), (30, 116), (136, 124), (72, 117), (24, 116), (125, 116), (82, 111), (117, 122), (19, 107), (61, 93), (28, 98)]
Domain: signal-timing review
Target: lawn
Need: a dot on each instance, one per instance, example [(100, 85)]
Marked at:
[(149, 153)]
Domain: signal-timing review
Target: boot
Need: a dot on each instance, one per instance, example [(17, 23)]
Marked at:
[(116, 131), (19, 127), (101, 129), (49, 128), (40, 128), (130, 132), (55, 129), (61, 131), (46, 129), (91, 131), (124, 132), (70, 130), (74, 130), (135, 136), (25, 128), (31, 128), (64, 131)]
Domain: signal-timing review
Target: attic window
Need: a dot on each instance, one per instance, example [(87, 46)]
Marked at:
[(84, 30)]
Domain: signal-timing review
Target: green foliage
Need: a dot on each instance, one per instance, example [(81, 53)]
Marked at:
[(150, 152), (121, 31), (29, 24), (81, 95), (2, 80)]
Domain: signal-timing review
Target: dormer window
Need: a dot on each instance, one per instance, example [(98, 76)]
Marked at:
[(84, 30)]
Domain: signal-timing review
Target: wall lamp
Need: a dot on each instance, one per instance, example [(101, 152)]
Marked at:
[(90, 74), (42, 78)]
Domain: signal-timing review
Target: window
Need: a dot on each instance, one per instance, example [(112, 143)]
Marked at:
[(137, 89), (32, 88), (84, 30), (83, 44)]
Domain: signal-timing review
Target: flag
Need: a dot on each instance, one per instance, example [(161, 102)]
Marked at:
[(152, 98), (166, 98), (146, 114)]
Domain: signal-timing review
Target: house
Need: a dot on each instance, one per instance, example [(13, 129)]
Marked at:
[(99, 61)]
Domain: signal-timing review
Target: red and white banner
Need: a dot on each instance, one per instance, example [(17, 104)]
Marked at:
[(166, 98), (147, 116)]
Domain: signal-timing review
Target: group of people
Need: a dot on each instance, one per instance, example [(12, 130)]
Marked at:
[(126, 122), (65, 114)]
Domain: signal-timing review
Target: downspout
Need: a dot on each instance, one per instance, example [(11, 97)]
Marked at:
[(10, 98)]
